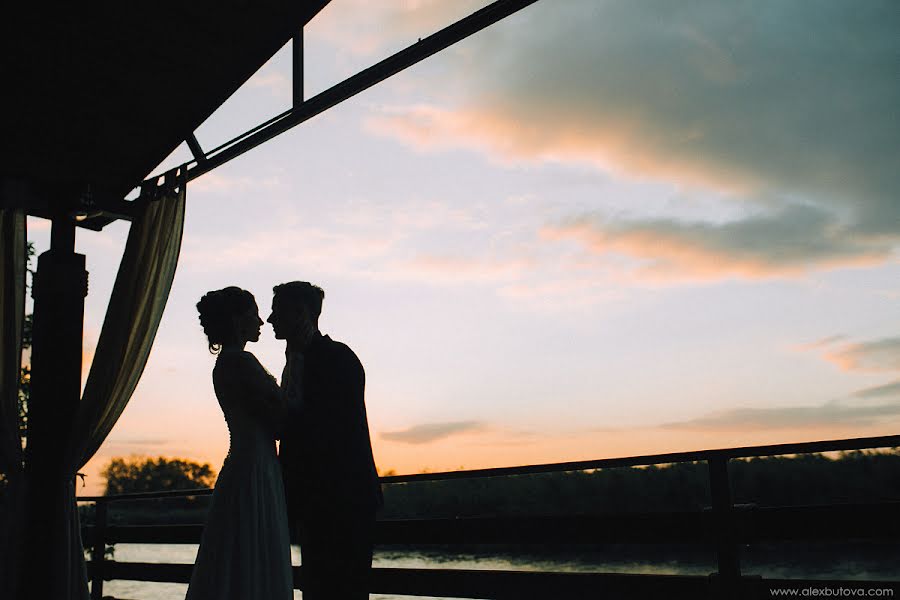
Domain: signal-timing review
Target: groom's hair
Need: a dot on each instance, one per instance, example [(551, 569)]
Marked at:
[(302, 293)]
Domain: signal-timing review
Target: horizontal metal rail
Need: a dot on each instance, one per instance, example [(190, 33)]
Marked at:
[(891, 441), (867, 443), (871, 521), (523, 585), (459, 583)]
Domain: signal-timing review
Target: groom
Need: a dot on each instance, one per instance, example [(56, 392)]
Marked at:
[(326, 456)]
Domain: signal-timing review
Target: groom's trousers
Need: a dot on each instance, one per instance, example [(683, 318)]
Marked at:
[(336, 554)]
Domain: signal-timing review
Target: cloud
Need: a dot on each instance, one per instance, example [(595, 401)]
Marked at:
[(384, 241), (275, 82), (880, 391), (447, 269), (874, 355), (218, 183), (431, 432), (826, 341), (787, 241), (307, 247), (735, 98), (790, 417), (376, 255), (566, 292), (418, 215), (366, 28)]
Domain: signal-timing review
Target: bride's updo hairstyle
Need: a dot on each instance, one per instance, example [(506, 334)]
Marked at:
[(218, 310)]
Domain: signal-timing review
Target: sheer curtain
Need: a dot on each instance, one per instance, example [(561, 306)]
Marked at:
[(12, 312), (135, 309)]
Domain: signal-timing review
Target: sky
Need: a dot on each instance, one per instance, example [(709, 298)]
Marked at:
[(595, 229)]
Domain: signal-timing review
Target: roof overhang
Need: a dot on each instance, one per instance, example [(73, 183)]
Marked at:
[(98, 94), (101, 97)]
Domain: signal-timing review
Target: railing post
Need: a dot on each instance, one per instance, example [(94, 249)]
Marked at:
[(728, 578), (98, 551)]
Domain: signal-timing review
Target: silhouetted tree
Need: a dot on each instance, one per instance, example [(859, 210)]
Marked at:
[(24, 391), (130, 475), (858, 476), (25, 373)]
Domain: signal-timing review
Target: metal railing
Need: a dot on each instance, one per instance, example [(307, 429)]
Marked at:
[(724, 525)]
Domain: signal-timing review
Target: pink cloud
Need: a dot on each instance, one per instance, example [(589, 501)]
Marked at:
[(609, 142), (785, 243), (368, 28), (458, 269), (691, 97), (873, 355)]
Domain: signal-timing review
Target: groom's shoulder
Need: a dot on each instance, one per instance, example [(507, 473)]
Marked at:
[(340, 351)]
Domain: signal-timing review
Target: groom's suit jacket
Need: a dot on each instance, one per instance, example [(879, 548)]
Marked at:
[(325, 451)]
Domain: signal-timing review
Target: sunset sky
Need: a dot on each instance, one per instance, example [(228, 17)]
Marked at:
[(595, 229)]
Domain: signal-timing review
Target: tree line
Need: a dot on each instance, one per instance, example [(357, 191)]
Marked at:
[(857, 476)]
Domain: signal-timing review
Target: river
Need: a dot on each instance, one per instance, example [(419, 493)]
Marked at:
[(877, 566)]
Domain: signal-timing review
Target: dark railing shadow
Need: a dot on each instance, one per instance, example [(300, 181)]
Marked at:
[(723, 525)]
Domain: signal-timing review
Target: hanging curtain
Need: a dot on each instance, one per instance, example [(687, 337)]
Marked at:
[(132, 319), (12, 311)]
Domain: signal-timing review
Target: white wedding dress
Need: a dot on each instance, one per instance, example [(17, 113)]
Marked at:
[(245, 549)]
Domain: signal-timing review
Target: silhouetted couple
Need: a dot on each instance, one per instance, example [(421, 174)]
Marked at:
[(322, 483)]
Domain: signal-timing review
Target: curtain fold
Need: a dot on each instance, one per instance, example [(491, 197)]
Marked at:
[(13, 257), (135, 309)]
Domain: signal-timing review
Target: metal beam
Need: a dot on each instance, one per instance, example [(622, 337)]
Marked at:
[(297, 47), (361, 81), (196, 150)]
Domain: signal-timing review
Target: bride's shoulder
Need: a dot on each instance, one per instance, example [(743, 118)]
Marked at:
[(236, 360)]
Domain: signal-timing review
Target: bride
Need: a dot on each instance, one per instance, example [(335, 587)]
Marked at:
[(245, 549)]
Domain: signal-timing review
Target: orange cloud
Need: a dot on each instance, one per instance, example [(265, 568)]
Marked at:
[(365, 28), (786, 243), (788, 240), (873, 356), (615, 145), (808, 418), (693, 104), (427, 433), (496, 448), (456, 269)]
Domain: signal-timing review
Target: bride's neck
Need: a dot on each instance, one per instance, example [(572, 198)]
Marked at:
[(233, 346)]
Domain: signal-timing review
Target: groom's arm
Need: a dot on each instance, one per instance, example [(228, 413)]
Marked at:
[(348, 408), (292, 384)]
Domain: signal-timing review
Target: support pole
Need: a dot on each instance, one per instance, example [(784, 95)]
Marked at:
[(60, 286)]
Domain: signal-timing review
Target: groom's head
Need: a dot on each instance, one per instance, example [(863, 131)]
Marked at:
[(296, 307)]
